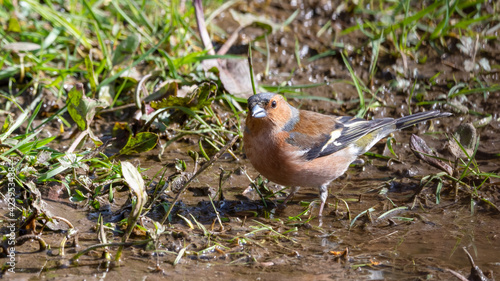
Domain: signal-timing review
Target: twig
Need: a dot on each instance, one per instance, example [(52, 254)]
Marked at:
[(25, 238), (202, 168), (230, 41), (202, 28), (116, 108), (77, 141), (79, 254), (70, 225), (17, 151)]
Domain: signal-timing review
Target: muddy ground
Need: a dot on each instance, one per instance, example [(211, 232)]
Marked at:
[(423, 241)]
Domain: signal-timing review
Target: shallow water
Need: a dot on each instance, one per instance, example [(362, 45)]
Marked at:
[(422, 241)]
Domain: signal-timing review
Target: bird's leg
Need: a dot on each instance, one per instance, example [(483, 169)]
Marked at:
[(323, 194), (293, 190)]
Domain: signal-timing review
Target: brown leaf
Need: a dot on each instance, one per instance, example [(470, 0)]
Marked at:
[(467, 136), (422, 151), (234, 75)]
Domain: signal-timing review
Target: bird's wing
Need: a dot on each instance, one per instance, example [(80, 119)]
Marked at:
[(317, 135)]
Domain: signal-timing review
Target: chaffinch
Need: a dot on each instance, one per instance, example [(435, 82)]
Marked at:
[(298, 148)]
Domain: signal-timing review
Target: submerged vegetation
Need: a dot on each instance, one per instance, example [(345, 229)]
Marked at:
[(123, 107)]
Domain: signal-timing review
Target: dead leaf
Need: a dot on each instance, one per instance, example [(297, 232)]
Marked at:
[(422, 151), (234, 74), (467, 137)]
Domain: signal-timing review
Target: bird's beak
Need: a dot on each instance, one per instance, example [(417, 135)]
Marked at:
[(258, 112)]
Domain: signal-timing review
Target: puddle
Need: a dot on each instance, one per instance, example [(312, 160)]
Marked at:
[(261, 243)]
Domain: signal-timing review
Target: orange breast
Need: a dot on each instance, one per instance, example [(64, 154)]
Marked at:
[(279, 162)]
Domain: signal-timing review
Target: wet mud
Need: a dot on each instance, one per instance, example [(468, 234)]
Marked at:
[(379, 223)]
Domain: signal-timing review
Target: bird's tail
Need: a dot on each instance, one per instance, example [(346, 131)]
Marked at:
[(416, 118)]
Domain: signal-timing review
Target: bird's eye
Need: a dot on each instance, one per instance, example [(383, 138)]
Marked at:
[(273, 104)]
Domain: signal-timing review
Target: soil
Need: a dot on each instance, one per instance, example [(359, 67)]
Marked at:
[(421, 240)]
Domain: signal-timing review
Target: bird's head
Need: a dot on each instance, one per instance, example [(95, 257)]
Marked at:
[(270, 108)]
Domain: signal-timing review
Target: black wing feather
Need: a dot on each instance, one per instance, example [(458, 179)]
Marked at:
[(348, 130), (352, 130)]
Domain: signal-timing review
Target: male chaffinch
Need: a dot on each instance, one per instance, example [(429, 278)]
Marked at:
[(298, 148)]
